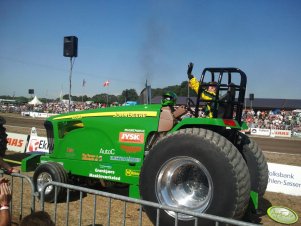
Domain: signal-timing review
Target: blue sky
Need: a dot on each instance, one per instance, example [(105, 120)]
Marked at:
[(130, 41)]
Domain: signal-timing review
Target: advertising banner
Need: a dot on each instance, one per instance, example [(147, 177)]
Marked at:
[(16, 142), (260, 132), (281, 133), (37, 144), (284, 179)]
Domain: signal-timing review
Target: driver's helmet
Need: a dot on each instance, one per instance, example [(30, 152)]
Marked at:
[(169, 99)]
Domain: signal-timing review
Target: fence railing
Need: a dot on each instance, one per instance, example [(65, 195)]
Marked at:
[(86, 206)]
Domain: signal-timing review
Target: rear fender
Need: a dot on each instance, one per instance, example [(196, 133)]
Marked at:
[(206, 122)]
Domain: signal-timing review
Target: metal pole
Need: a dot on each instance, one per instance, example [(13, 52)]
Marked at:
[(70, 76)]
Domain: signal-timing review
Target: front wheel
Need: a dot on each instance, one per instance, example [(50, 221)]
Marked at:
[(196, 170), (47, 172)]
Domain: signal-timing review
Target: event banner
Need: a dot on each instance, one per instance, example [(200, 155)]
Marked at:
[(260, 132), (271, 132), (16, 142), (284, 179), (37, 143)]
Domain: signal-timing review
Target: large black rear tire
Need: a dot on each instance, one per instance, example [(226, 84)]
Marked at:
[(257, 164), (197, 170), (47, 172)]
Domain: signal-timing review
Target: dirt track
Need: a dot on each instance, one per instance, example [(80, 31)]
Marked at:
[(284, 151)]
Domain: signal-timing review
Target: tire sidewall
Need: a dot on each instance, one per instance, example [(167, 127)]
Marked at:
[(256, 163), (204, 151), (52, 169)]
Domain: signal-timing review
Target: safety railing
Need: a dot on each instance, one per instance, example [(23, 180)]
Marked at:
[(86, 206)]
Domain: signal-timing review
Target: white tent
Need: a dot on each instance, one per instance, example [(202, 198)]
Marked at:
[(35, 101)]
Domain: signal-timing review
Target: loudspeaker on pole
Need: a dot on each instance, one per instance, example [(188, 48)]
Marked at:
[(70, 46)]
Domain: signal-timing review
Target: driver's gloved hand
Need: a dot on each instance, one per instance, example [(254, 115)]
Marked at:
[(189, 70)]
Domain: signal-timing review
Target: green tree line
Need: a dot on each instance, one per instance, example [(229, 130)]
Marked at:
[(126, 95)]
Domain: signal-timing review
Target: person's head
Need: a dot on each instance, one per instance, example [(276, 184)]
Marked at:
[(212, 87), (39, 218), (169, 99)]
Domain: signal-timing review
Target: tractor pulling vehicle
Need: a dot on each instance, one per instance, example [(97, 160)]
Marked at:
[(205, 165)]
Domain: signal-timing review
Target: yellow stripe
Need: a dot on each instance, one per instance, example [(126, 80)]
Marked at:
[(120, 114), (12, 161)]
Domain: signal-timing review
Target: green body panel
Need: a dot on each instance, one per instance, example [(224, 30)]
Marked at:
[(194, 122), (109, 143)]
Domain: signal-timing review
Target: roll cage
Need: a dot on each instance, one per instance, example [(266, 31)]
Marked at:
[(232, 100)]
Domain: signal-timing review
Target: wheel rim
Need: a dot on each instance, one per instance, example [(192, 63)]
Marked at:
[(42, 179), (184, 182)]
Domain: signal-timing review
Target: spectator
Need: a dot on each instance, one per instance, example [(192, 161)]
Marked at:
[(39, 218), (5, 197), (3, 147)]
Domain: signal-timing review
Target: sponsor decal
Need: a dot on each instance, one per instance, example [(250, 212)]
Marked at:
[(70, 150), (125, 159), (105, 166), (106, 177), (119, 114), (132, 173), (105, 171), (131, 137), (130, 115), (90, 157), (131, 149), (135, 130), (107, 151), (282, 215)]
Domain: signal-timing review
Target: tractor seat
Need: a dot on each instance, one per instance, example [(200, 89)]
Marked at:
[(226, 107)]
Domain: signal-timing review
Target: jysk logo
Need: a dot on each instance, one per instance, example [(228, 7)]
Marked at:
[(131, 137)]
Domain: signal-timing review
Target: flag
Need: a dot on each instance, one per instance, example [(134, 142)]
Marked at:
[(106, 83), (84, 82)]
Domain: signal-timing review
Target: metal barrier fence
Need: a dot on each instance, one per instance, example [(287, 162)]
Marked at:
[(85, 206)]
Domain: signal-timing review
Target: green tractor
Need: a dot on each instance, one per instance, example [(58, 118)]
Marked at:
[(201, 164)]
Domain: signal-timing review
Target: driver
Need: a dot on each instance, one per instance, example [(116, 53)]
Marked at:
[(208, 94), (169, 99)]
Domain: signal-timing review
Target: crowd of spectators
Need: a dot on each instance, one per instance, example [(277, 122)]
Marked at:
[(51, 107), (273, 119), (277, 119)]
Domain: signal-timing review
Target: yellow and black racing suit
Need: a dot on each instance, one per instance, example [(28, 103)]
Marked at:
[(206, 95)]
